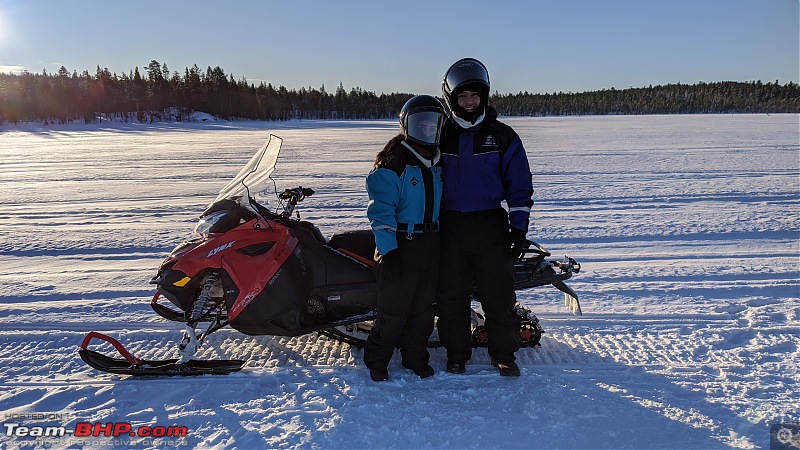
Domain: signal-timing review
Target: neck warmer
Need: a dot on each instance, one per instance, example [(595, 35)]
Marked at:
[(427, 162), (465, 124)]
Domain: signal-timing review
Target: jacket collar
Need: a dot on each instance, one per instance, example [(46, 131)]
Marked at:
[(425, 161), (489, 114)]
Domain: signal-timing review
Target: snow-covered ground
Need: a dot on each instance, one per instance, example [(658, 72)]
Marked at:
[(687, 229)]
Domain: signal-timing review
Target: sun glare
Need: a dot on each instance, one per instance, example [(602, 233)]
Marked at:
[(5, 36)]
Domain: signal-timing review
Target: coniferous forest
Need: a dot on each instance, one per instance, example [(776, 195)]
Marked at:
[(158, 95)]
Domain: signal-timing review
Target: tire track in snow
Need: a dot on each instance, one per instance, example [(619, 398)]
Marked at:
[(560, 350)]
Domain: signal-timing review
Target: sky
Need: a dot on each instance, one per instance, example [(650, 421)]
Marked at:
[(538, 46)]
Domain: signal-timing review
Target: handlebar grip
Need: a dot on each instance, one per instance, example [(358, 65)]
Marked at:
[(298, 192)]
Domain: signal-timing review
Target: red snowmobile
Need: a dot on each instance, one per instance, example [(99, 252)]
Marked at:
[(264, 272)]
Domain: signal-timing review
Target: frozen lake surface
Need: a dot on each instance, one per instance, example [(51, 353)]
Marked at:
[(687, 229)]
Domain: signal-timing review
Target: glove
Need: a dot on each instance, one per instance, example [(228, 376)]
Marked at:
[(391, 266), (518, 243)]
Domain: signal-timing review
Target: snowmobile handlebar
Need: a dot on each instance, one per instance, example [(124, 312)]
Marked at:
[(297, 194), (292, 196)]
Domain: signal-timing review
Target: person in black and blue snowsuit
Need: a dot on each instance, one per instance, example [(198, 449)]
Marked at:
[(484, 164), (405, 189)]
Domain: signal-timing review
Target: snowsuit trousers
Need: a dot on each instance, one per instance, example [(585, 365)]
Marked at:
[(476, 252), (405, 307)]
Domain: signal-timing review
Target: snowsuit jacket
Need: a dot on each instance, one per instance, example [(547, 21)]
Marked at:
[(404, 195), (485, 165)]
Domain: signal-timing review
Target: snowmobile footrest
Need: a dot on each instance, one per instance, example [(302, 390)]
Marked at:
[(130, 365)]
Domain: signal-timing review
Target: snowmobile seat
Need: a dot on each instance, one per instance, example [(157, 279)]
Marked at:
[(315, 231), (359, 242)]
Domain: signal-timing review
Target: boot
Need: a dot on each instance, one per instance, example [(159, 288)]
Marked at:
[(378, 373), (509, 369), (456, 366), (422, 371)]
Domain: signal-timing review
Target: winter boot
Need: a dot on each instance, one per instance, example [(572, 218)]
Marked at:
[(422, 371), (378, 373), (456, 366), (509, 369)]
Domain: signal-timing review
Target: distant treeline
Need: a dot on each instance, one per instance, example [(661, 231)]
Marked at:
[(159, 95)]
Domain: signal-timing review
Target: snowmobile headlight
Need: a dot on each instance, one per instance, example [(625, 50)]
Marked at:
[(207, 222)]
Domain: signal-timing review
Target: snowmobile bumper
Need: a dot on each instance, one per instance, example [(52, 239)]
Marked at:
[(167, 312)]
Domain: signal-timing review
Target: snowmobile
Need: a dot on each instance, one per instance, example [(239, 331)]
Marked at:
[(265, 272)]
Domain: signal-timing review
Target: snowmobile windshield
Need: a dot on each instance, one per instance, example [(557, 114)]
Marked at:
[(256, 171)]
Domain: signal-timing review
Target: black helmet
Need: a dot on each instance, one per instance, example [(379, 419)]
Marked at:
[(422, 119), (465, 74)]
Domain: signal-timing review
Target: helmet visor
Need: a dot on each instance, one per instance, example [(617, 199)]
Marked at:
[(425, 127), (465, 72)]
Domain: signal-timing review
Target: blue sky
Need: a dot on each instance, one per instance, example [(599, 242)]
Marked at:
[(406, 45)]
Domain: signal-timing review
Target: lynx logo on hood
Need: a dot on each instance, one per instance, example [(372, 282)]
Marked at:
[(220, 248)]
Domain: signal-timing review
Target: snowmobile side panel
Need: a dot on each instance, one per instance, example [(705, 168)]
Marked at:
[(254, 275), (348, 300), (329, 265), (359, 242), (276, 302)]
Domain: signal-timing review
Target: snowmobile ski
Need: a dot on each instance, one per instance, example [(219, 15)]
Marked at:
[(131, 365)]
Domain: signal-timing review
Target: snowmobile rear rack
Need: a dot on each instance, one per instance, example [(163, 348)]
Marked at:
[(131, 365), (532, 269)]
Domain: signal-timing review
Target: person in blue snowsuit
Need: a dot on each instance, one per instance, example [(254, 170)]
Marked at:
[(405, 189), (484, 164)]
